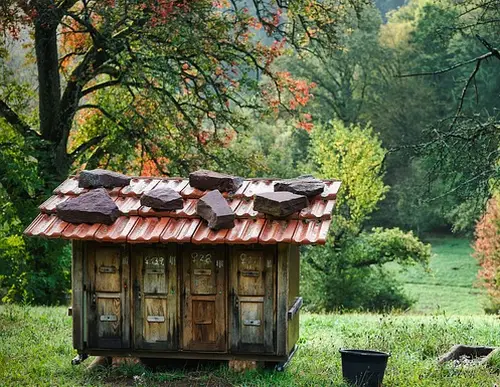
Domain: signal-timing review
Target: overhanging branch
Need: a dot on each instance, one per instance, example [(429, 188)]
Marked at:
[(87, 145), (14, 120)]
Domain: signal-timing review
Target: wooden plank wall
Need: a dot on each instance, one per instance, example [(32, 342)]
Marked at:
[(77, 295), (282, 300), (293, 293)]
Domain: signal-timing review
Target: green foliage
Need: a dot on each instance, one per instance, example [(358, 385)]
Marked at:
[(348, 272), (354, 155), (36, 348)]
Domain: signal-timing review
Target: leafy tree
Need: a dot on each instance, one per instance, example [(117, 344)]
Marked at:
[(134, 84), (348, 272)]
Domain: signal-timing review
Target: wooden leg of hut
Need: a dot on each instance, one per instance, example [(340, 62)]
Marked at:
[(118, 361), (243, 365), (99, 361)]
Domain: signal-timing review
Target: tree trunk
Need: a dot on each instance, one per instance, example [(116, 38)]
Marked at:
[(55, 163), (49, 84)]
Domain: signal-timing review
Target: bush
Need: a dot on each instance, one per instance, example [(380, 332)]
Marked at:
[(350, 275), (349, 271), (487, 252)]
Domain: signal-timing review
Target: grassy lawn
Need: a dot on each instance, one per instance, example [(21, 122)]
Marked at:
[(448, 287), (35, 350)]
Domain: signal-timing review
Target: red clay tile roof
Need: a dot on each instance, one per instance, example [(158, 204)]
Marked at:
[(141, 224)]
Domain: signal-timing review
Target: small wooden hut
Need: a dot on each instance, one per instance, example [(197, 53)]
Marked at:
[(162, 284)]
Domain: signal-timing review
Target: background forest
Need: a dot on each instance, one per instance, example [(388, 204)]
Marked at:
[(399, 100)]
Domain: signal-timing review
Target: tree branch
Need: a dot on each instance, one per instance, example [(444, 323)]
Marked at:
[(447, 69), (87, 145), (14, 120), (99, 86)]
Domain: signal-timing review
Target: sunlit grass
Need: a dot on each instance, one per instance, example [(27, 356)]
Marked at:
[(449, 285), (36, 350)]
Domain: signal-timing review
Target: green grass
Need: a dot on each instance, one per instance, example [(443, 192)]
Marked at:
[(35, 350), (448, 286)]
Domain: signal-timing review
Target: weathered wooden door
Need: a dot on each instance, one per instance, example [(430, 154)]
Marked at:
[(108, 296), (253, 293), (155, 296), (204, 288)]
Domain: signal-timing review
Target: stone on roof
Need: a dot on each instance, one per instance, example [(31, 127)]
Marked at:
[(97, 178), (162, 199), (306, 185), (95, 206), (279, 204), (214, 209), (209, 180)]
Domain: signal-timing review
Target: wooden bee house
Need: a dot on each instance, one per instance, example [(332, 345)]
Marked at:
[(162, 284)]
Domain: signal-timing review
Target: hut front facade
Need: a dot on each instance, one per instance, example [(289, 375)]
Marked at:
[(163, 284)]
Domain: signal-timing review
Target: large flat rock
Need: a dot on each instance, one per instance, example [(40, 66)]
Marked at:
[(209, 180), (214, 209), (303, 185), (162, 198), (95, 206), (96, 178), (279, 204)]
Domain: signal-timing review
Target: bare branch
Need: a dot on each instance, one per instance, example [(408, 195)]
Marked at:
[(447, 69)]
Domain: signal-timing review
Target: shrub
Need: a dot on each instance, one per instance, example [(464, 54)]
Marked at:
[(349, 271), (487, 252)]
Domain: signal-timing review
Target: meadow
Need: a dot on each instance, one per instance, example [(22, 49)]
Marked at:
[(36, 350), (449, 286)]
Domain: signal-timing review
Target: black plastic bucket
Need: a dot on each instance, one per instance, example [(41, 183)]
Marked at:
[(364, 368)]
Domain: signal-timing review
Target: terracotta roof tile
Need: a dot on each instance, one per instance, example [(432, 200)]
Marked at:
[(138, 186), (311, 232), (203, 234), (55, 230), (180, 230), (40, 224), (83, 231), (258, 186), (176, 184), (331, 189), (239, 192), (243, 208), (318, 209), (191, 192), (49, 206), (278, 231), (245, 231), (128, 205), (147, 230), (69, 187), (141, 224), (118, 231)]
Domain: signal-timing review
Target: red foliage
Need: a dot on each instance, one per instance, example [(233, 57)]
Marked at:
[(487, 249)]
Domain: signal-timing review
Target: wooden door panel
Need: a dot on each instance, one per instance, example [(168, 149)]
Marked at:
[(253, 291), (107, 275), (107, 294), (109, 317), (204, 321), (155, 297), (251, 270), (203, 275), (204, 305), (156, 324), (252, 322)]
